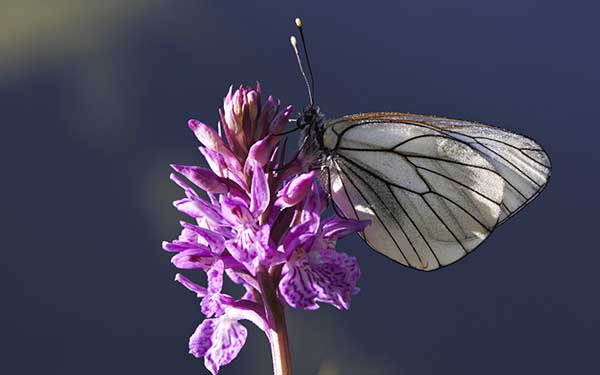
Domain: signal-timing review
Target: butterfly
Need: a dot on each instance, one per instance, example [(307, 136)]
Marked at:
[(433, 188)]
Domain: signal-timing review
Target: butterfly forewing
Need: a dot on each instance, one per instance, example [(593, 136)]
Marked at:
[(433, 188), (524, 165)]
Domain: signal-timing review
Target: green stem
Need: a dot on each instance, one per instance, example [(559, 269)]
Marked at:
[(277, 333)]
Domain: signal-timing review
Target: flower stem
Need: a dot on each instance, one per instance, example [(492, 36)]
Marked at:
[(280, 349), (277, 332)]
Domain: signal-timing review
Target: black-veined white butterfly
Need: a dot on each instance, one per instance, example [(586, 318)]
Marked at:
[(434, 188)]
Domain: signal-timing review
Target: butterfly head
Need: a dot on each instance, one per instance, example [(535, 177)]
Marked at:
[(311, 117)]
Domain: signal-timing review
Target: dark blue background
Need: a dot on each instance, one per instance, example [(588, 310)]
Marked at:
[(94, 98)]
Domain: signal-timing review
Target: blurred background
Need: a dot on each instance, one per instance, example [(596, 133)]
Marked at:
[(94, 99)]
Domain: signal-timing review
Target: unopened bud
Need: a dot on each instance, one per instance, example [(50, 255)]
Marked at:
[(295, 191), (206, 135)]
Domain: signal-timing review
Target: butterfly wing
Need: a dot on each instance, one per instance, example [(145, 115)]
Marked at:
[(523, 163), (434, 188)]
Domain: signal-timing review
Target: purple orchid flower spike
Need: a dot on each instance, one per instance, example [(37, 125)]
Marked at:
[(261, 227)]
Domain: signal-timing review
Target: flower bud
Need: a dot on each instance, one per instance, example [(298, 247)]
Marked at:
[(204, 178), (260, 152), (207, 136), (253, 102), (236, 121), (231, 122), (265, 117), (252, 111), (281, 120), (297, 189)]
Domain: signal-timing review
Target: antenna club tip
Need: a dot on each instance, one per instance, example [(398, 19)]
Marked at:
[(298, 22), (293, 40)]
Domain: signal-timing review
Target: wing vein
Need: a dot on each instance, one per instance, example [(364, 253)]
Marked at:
[(453, 180), (513, 147), (438, 216), (377, 215), (416, 227)]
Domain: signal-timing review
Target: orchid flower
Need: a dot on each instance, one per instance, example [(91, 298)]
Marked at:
[(261, 227)]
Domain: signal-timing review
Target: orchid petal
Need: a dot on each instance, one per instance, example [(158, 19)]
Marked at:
[(204, 178), (190, 285), (296, 189), (182, 184), (226, 167), (209, 238), (215, 277), (246, 255), (260, 191), (235, 211), (207, 136), (193, 259), (177, 246), (281, 120), (198, 208), (219, 341), (265, 117), (265, 250), (326, 276), (260, 152), (338, 227), (298, 237)]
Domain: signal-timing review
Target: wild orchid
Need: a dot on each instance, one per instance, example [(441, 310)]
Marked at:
[(259, 224)]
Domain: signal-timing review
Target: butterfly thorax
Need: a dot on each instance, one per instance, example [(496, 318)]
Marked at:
[(311, 122)]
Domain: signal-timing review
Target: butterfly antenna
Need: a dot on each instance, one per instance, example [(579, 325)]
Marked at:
[(308, 88), (312, 77)]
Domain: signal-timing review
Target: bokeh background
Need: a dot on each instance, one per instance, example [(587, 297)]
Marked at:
[(94, 99)]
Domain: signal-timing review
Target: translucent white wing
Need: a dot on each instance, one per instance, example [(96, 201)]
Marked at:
[(434, 188), (523, 163)]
